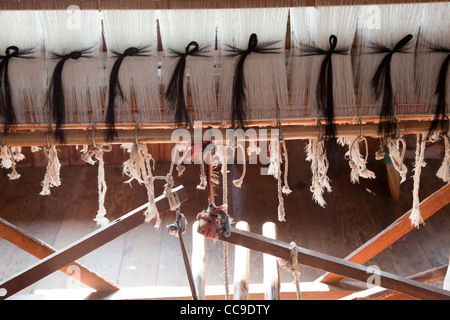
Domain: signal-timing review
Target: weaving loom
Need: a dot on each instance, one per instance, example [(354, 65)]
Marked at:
[(103, 73)]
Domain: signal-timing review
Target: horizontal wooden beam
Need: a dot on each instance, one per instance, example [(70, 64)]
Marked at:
[(328, 263), (41, 250), (83, 246), (291, 132), (395, 231)]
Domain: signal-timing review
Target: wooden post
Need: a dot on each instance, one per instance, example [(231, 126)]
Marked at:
[(198, 261), (241, 267), (328, 263), (271, 270), (83, 246)]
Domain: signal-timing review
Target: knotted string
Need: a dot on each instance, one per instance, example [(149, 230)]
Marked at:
[(6, 105), (324, 89), (440, 120), (115, 88), (175, 91), (55, 94), (382, 83), (239, 98)]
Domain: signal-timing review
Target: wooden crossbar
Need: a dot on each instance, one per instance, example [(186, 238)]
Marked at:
[(395, 231), (328, 263), (40, 249), (83, 246)]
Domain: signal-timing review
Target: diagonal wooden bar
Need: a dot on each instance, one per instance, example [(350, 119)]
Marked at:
[(377, 293), (40, 249), (395, 231), (328, 263), (83, 246)]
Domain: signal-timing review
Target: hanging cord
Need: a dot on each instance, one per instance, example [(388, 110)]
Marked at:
[(419, 162), (51, 178), (444, 171), (9, 157), (98, 152), (177, 229), (293, 266), (225, 204)]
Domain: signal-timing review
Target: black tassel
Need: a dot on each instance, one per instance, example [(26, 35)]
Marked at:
[(239, 99), (115, 88), (381, 83), (6, 105), (324, 90), (175, 100), (55, 93), (440, 119)]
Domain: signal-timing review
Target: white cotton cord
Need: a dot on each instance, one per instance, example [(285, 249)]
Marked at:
[(286, 190), (415, 216), (274, 160), (357, 162), (397, 157), (292, 266), (9, 157), (444, 170), (98, 152), (35, 149), (238, 182), (51, 177), (139, 167), (316, 154)]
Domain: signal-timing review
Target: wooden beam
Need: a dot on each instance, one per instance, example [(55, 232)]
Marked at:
[(83, 246), (41, 250), (292, 132), (395, 231), (328, 263), (378, 293)]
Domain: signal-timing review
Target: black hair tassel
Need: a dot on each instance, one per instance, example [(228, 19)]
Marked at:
[(239, 98), (55, 93), (6, 105), (115, 88), (175, 91), (382, 83), (440, 119), (324, 89)]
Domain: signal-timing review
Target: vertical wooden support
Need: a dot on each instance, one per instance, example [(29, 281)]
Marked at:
[(271, 271), (241, 267), (198, 261)]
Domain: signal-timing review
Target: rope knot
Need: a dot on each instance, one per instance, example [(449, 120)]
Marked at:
[(190, 52), (214, 222), (333, 44), (75, 55), (11, 51), (252, 43)]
